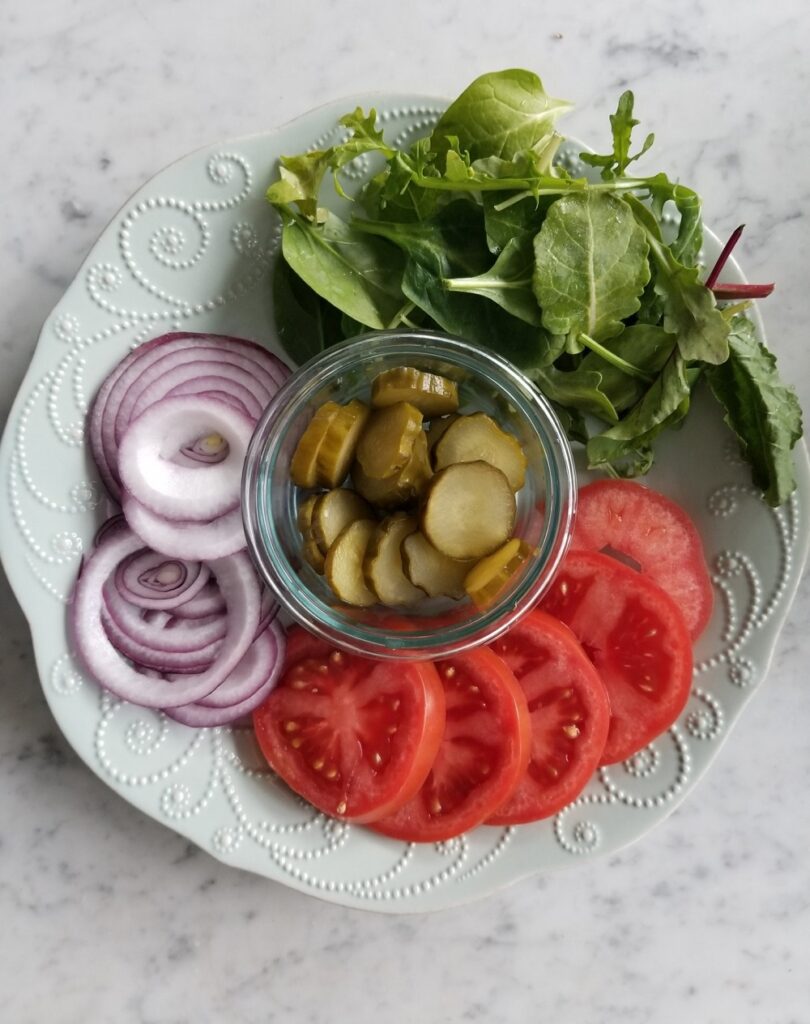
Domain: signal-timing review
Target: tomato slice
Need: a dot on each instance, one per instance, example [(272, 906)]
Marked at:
[(303, 644), (570, 715), (634, 634), (484, 752), (353, 736), (624, 518)]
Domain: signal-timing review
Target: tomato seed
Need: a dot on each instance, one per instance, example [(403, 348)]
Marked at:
[(449, 672), (317, 765), (571, 731), (341, 807), (296, 743), (291, 726)]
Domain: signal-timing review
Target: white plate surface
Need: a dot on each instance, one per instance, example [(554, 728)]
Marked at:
[(193, 251)]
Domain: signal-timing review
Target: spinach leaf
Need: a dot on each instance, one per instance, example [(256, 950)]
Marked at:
[(643, 346), (358, 274), (573, 423), (452, 240), (576, 389), (622, 124), (499, 114), (590, 265), (472, 317), (630, 439), (305, 323), (764, 414), (519, 220), (507, 282), (690, 310)]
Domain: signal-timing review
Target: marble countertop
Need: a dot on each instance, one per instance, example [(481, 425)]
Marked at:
[(106, 915)]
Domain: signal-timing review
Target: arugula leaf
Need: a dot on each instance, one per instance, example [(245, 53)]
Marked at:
[(690, 310), (364, 137), (358, 274), (665, 401), (305, 323), (622, 124), (590, 265), (763, 412), (686, 245), (507, 282), (499, 114)]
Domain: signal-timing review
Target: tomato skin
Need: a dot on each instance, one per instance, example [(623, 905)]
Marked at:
[(636, 638), (484, 752), (570, 715), (355, 737), (655, 533)]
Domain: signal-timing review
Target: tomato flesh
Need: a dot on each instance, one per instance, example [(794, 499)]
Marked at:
[(484, 751), (655, 534), (636, 638), (353, 736), (570, 714)]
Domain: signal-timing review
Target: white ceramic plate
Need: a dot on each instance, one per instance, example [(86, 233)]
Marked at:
[(192, 251)]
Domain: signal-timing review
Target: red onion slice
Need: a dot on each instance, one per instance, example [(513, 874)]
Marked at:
[(268, 370), (187, 351), (193, 635), (150, 580), (207, 602), (240, 590), (206, 375), (144, 656), (180, 491), (185, 539), (264, 662)]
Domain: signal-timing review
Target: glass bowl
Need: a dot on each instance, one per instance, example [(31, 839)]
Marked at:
[(435, 627)]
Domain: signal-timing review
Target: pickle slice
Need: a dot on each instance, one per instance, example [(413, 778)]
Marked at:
[(431, 393), (383, 494), (344, 563), (332, 513), (437, 428), (312, 553), (432, 571), (336, 451), (387, 442), (488, 577), (310, 550), (383, 562), (469, 510), (305, 511), (479, 438), (303, 466), (417, 471)]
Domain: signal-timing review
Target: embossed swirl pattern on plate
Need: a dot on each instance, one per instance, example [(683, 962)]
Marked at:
[(194, 248)]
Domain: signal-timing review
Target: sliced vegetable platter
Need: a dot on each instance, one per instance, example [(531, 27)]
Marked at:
[(194, 250)]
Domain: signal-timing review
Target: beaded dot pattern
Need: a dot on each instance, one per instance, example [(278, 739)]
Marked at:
[(194, 250)]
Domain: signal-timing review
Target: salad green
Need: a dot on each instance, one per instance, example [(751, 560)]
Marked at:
[(476, 230)]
